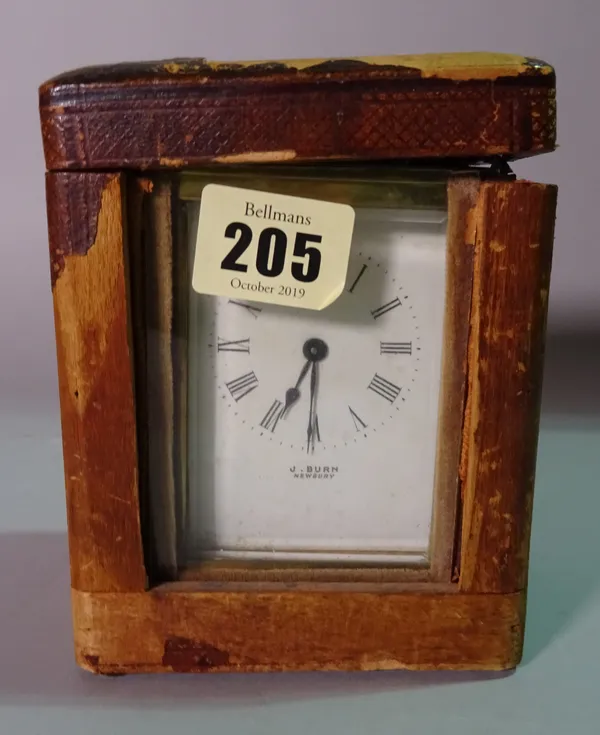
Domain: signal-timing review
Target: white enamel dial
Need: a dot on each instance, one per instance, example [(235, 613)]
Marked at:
[(313, 434), (267, 376)]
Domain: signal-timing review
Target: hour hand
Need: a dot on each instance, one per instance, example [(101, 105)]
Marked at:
[(293, 394)]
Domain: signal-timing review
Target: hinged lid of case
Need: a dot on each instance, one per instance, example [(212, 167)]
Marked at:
[(185, 113)]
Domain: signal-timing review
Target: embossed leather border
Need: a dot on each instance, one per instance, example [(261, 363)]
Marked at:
[(141, 117)]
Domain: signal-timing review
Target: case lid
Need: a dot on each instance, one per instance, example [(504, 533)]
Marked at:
[(184, 113)]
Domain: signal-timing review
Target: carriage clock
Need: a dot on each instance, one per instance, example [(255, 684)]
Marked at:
[(300, 314)]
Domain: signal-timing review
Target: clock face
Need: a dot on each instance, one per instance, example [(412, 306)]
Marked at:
[(313, 433), (319, 381)]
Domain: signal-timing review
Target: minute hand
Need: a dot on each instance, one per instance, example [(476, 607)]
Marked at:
[(312, 412)]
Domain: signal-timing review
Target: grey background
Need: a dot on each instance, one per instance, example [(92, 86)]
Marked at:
[(556, 689)]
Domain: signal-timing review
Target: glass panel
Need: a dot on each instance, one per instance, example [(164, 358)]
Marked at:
[(358, 485)]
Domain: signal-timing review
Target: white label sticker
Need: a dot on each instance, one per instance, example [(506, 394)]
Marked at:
[(275, 248)]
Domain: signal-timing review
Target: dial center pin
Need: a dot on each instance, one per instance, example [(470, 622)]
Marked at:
[(315, 349)]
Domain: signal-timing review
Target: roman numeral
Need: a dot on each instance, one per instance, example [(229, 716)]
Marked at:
[(384, 388), (395, 348), (358, 422), (272, 416), (357, 279), (243, 385), (238, 345), (254, 310), (376, 313)]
